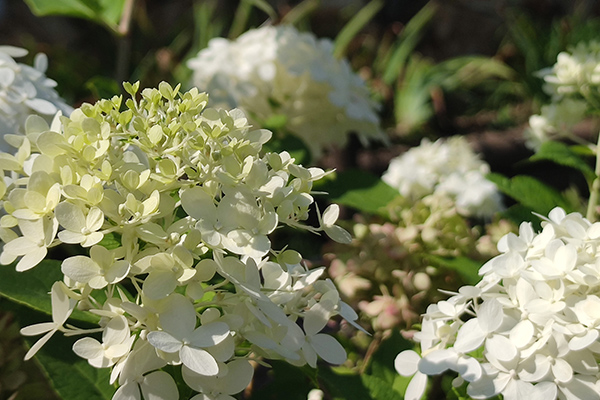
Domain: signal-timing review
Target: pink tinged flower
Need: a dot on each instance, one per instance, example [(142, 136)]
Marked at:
[(62, 306), (179, 335)]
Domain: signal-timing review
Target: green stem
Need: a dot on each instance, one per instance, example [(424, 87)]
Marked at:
[(594, 188), (124, 42)]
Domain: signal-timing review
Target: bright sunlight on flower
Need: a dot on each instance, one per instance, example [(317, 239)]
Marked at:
[(529, 329), (175, 202), (287, 79)]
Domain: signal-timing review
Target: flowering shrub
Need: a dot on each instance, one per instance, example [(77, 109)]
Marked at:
[(556, 121), (25, 90), (445, 167), (529, 328), (576, 71), (175, 204), (393, 270), (573, 84), (276, 73)]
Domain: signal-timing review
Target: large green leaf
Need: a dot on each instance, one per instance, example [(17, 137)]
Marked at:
[(466, 267), (562, 154), (71, 376), (360, 190), (32, 288), (104, 12), (531, 193)]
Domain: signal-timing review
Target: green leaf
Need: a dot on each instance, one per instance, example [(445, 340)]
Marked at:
[(264, 6), (292, 145), (406, 42), (70, 376), (360, 190), (467, 268), (343, 384), (380, 389), (104, 12), (412, 98), (381, 364), (531, 193), (300, 11), (282, 378), (31, 288), (562, 154), (111, 241), (351, 29)]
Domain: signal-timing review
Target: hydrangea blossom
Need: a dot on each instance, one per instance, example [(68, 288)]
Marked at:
[(278, 72), (575, 71), (25, 90), (446, 167), (175, 202), (529, 328), (555, 121), (390, 271)]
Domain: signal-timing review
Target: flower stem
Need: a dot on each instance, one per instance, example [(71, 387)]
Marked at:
[(594, 188)]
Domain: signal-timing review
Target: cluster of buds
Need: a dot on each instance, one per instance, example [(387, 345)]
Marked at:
[(175, 203), (391, 271)]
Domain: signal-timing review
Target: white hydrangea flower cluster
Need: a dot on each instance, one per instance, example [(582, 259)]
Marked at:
[(24, 91), (447, 167), (192, 280), (279, 71), (556, 121), (530, 328), (575, 71), (573, 83)]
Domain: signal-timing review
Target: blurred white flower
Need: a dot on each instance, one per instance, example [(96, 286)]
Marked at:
[(555, 121), (575, 71), (25, 90), (446, 167), (278, 73)]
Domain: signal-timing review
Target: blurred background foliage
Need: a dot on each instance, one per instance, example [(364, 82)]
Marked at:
[(439, 68)]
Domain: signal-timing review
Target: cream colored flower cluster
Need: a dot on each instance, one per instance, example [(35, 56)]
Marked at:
[(447, 167), (573, 83), (189, 276), (575, 71), (25, 90), (530, 328), (556, 121), (279, 71)]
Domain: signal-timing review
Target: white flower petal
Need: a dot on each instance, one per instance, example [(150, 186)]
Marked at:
[(165, 342), (416, 387), (198, 360), (159, 385), (406, 362), (328, 348)]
